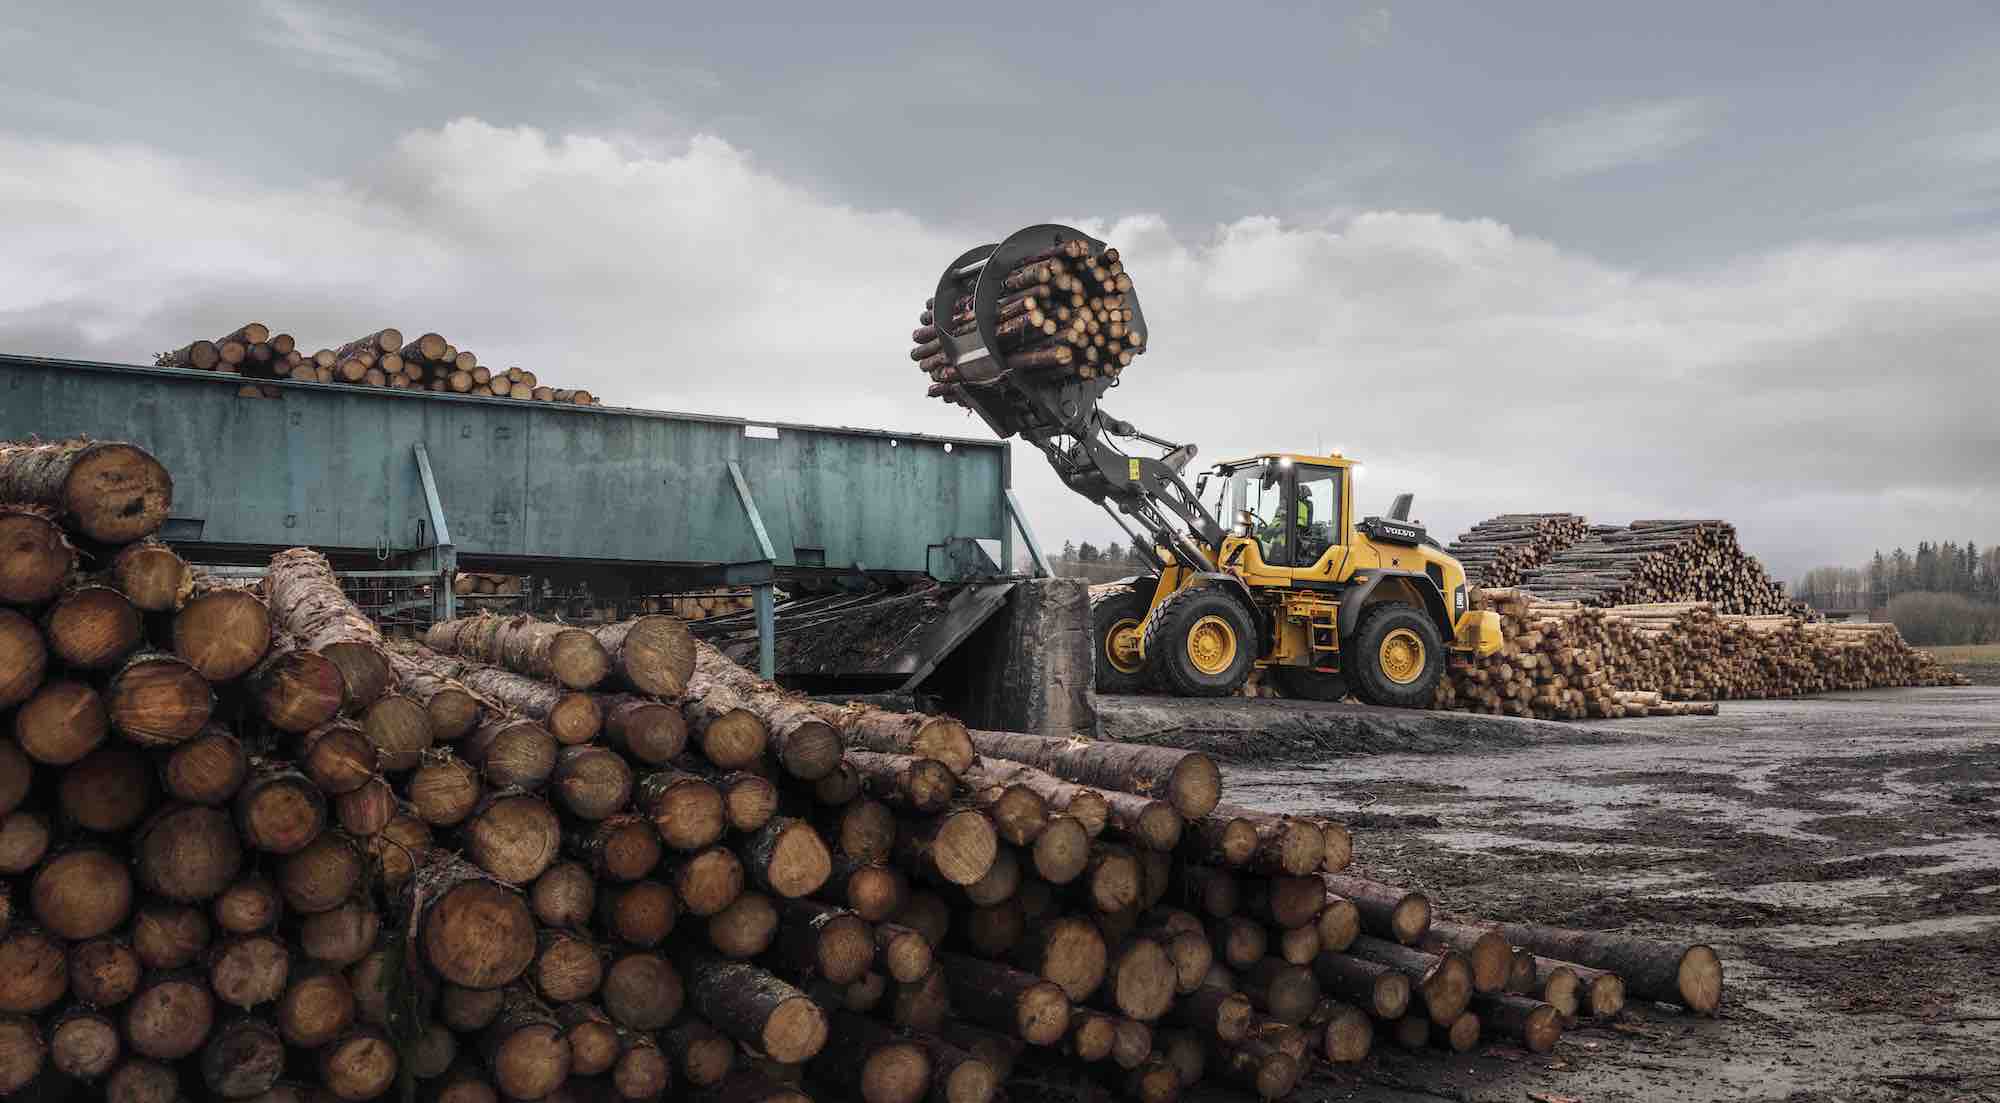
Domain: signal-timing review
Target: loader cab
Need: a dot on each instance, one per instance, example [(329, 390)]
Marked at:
[(1287, 515)]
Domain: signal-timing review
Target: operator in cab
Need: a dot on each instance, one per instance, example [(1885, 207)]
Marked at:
[(1314, 538)]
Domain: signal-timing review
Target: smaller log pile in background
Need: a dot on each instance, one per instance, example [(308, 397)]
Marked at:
[(1656, 561), (698, 604), (260, 844), (1497, 550), (476, 584), (378, 359), (1564, 660), (1064, 313)]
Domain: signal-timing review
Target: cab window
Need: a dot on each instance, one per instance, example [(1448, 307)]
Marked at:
[(1316, 512)]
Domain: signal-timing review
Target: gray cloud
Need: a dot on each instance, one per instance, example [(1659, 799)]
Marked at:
[(342, 42), (1615, 136), (1829, 397)]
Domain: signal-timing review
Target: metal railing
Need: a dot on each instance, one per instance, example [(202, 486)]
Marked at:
[(402, 603)]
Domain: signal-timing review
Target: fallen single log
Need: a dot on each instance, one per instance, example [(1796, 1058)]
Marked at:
[(1533, 1023), (1090, 807), (571, 716), (1689, 975), (1386, 911), (786, 857), (1189, 780), (1001, 998), (647, 731), (113, 493), (1484, 948), (537, 648), (1379, 989), (754, 1007), (805, 744), (1441, 983), (653, 655), (452, 708), (307, 603)]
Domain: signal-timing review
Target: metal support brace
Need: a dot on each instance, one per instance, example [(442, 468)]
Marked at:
[(444, 554), (1028, 535), (767, 629), (761, 596)]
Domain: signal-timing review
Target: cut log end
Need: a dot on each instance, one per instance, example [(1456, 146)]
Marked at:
[(117, 493), (1699, 978), (795, 1031)]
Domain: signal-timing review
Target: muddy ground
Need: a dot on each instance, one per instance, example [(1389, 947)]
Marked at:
[(1841, 853)]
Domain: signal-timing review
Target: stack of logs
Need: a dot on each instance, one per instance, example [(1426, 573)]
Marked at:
[(259, 852), (379, 359), (698, 605), (1063, 312), (1661, 561), (474, 584), (1496, 551), (1564, 660)]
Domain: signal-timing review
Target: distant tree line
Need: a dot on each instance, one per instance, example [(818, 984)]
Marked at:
[(1943, 593), (1099, 563)]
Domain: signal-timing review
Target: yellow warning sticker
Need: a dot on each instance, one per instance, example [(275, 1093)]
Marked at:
[(1133, 470)]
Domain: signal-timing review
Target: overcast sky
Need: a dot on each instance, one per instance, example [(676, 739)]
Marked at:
[(1702, 259)]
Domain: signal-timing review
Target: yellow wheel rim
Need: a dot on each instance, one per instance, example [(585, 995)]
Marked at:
[(1402, 656), (1211, 645), (1121, 646)]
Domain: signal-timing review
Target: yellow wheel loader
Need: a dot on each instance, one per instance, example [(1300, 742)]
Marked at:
[(1261, 564)]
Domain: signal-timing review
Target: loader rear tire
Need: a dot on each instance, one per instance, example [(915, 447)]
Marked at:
[(1396, 657), (1117, 612), (1201, 643)]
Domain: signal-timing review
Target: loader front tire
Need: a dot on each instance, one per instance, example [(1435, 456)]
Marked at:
[(1117, 610), (1396, 657), (1201, 643)]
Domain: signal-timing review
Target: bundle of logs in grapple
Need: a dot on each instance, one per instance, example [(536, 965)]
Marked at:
[(257, 851), (1564, 660), (1651, 561), (379, 359), (1497, 550), (1063, 311)]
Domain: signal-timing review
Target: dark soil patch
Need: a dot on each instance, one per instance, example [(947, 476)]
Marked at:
[(1883, 975), (1387, 821)]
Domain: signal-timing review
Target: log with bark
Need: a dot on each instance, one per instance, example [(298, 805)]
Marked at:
[(541, 649), (109, 492), (1189, 780), (307, 603), (1688, 975)]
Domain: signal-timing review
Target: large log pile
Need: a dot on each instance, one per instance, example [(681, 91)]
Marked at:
[(1660, 561), (1497, 550), (378, 359), (1565, 660), (1065, 312), (263, 853)]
